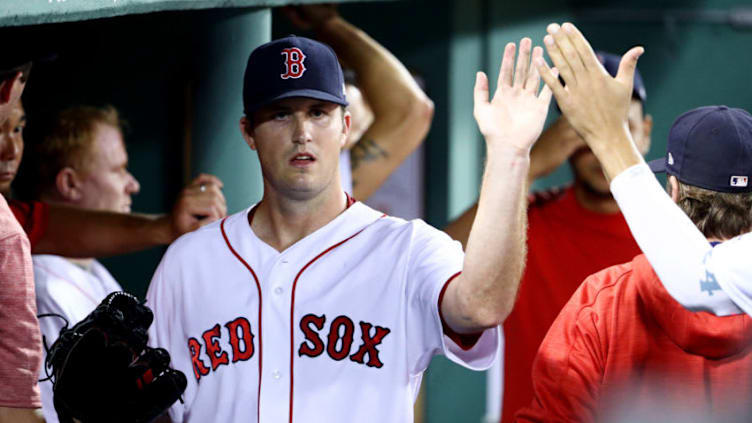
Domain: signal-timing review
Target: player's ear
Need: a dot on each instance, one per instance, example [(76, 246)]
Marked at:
[(647, 129), (673, 183), (346, 126), (68, 185), (247, 130)]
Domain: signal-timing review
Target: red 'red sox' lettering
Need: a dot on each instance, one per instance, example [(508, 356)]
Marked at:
[(240, 333), (208, 356), (340, 338), (294, 67)]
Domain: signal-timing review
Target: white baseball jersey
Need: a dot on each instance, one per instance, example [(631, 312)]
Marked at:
[(337, 328), (729, 266), (71, 291)]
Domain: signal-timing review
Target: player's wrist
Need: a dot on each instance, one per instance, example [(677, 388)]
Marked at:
[(616, 153)]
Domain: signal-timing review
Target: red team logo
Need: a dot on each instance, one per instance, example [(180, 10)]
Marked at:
[(337, 342), (294, 67)]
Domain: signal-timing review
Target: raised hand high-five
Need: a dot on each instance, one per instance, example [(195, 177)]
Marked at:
[(594, 102), (516, 113), (483, 295)]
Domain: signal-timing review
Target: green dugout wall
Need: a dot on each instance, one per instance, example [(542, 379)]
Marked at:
[(174, 69)]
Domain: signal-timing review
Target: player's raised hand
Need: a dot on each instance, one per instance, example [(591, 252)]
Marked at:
[(595, 103), (199, 203), (515, 115)]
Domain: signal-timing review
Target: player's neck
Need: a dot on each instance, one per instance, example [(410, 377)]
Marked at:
[(281, 221), (594, 201)]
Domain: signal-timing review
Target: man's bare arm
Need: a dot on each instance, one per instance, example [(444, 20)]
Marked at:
[(402, 112), (484, 294), (20, 415), (552, 148), (74, 232)]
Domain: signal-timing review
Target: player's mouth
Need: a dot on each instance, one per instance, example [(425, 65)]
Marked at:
[(302, 159)]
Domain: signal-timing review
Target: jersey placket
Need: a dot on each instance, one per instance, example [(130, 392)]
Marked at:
[(275, 380)]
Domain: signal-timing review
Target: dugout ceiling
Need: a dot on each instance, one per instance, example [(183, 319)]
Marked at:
[(28, 12)]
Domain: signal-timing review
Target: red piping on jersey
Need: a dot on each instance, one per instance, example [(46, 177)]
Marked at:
[(292, 306), (258, 286)]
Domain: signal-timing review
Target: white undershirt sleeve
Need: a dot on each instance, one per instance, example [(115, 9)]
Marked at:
[(676, 249)]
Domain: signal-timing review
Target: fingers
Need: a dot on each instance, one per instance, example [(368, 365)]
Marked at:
[(551, 78), (627, 66), (507, 67), (545, 95), (205, 192), (480, 93), (206, 179), (567, 48), (533, 77), (557, 57), (523, 63), (581, 45)]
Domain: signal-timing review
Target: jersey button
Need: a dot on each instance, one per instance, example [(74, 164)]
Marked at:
[(276, 374), (278, 290)]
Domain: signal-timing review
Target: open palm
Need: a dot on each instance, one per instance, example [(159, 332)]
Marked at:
[(516, 113)]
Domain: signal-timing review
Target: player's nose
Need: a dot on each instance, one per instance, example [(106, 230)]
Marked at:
[(301, 130), (132, 187), (9, 150)]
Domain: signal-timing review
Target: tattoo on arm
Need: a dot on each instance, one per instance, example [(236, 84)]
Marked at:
[(366, 150)]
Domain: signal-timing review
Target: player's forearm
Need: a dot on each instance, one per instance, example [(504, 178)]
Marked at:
[(376, 68), (459, 229), (495, 252), (20, 415), (614, 149), (73, 232)]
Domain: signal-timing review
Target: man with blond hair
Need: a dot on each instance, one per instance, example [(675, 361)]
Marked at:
[(82, 162)]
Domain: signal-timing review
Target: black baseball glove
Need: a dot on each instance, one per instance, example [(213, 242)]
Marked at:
[(102, 370)]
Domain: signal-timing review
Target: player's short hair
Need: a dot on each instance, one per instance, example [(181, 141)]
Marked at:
[(66, 142), (719, 215), (7, 74)]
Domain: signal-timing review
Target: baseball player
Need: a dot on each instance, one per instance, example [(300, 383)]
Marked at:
[(84, 162), (310, 306), (712, 279)]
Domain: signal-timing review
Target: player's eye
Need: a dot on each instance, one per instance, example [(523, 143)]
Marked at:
[(318, 112), (280, 115)]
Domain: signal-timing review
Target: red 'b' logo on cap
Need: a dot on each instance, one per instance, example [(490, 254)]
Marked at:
[(294, 67)]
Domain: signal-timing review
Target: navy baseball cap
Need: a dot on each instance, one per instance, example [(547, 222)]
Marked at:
[(292, 67), (710, 147)]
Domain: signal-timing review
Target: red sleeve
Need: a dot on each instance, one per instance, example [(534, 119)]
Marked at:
[(464, 341), (569, 365), (33, 217)]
